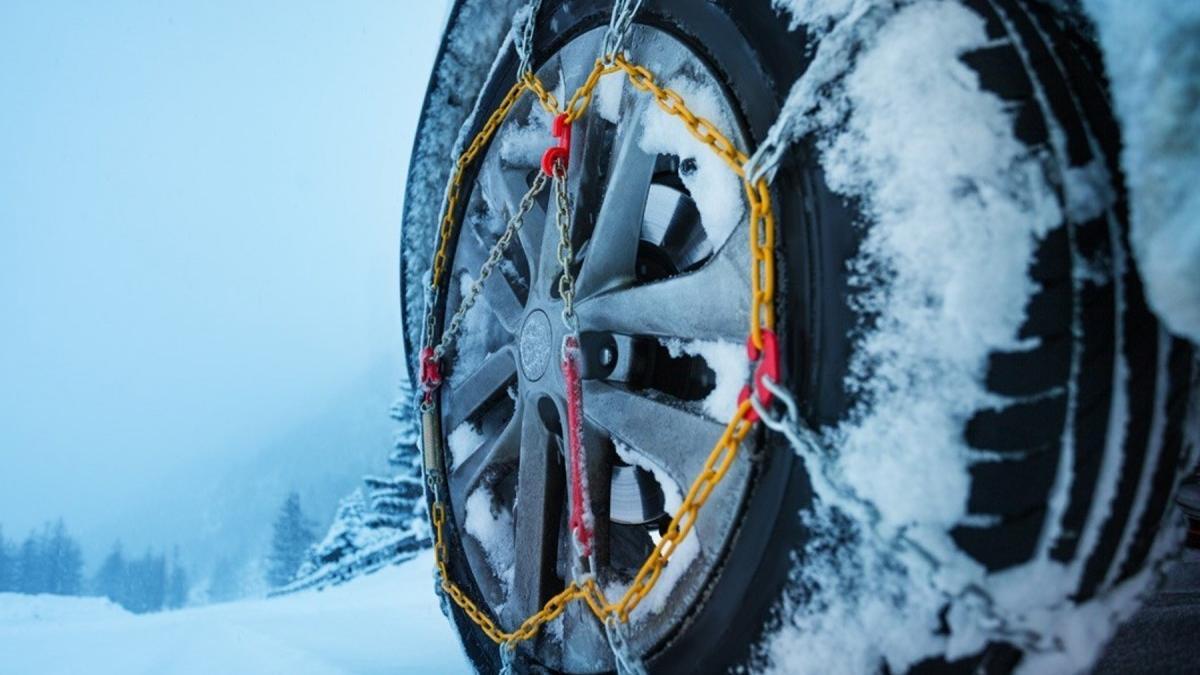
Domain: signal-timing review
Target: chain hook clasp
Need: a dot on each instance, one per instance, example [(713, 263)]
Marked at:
[(560, 129), (766, 362), (431, 374)]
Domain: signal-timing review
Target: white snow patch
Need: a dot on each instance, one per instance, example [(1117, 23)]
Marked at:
[(16, 609), (387, 622), (463, 442), (817, 16), (481, 334), (1152, 53), (492, 526), (727, 360), (607, 99), (1088, 190), (523, 144), (681, 559), (715, 189), (956, 206)]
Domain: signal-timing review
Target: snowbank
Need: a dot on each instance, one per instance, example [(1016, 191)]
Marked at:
[(33, 609), (388, 622)]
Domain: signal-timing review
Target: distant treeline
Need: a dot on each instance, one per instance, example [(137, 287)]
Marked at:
[(50, 561)]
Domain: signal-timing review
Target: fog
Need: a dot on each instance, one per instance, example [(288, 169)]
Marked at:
[(199, 215)]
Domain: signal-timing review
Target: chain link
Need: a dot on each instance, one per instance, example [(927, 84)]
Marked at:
[(454, 327)]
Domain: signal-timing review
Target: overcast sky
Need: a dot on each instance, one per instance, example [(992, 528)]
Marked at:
[(199, 211)]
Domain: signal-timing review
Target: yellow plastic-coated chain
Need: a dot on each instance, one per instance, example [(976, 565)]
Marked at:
[(762, 317), (582, 97), (534, 84)]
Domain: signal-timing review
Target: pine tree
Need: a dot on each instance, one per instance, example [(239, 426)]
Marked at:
[(31, 573), (7, 563), (177, 583), (223, 584), (292, 537), (62, 561), (384, 524), (112, 579)]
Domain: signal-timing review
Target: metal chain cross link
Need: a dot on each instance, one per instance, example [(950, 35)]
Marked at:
[(618, 28), (628, 662), (566, 254), (508, 658), (523, 41), (454, 327)]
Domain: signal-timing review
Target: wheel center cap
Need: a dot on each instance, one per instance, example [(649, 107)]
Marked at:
[(535, 345)]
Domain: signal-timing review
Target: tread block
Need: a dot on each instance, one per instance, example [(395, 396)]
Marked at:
[(999, 547), (1048, 312), (1033, 372), (1012, 486), (1028, 124), (1052, 260), (1023, 426), (1000, 72)]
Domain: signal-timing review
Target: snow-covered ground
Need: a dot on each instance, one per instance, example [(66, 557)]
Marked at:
[(388, 622)]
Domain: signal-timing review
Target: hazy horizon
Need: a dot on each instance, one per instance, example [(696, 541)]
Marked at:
[(200, 207)]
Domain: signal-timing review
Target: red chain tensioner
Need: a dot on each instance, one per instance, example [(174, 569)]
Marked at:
[(560, 129), (431, 373), (580, 520), (767, 365)]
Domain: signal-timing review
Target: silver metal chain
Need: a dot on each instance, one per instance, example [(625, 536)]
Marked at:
[(566, 254), (527, 18), (508, 658), (454, 327), (807, 445), (628, 662), (618, 28)]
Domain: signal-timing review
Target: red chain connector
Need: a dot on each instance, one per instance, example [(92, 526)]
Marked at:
[(431, 373), (560, 129), (580, 521), (767, 365)]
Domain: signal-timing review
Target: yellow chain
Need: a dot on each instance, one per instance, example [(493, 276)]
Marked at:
[(762, 317)]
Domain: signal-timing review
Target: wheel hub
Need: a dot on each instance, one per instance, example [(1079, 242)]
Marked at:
[(535, 345)]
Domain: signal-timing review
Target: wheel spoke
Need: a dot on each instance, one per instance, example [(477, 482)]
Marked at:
[(503, 190), (497, 291), (709, 303), (674, 440), (494, 457), (476, 389), (612, 251), (591, 146), (538, 512)]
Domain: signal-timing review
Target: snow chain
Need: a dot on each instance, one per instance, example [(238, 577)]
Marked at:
[(760, 341)]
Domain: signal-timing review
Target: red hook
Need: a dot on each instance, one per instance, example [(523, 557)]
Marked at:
[(560, 129), (768, 366), (431, 373)]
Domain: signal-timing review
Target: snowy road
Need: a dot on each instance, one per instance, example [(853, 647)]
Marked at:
[(388, 622)]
